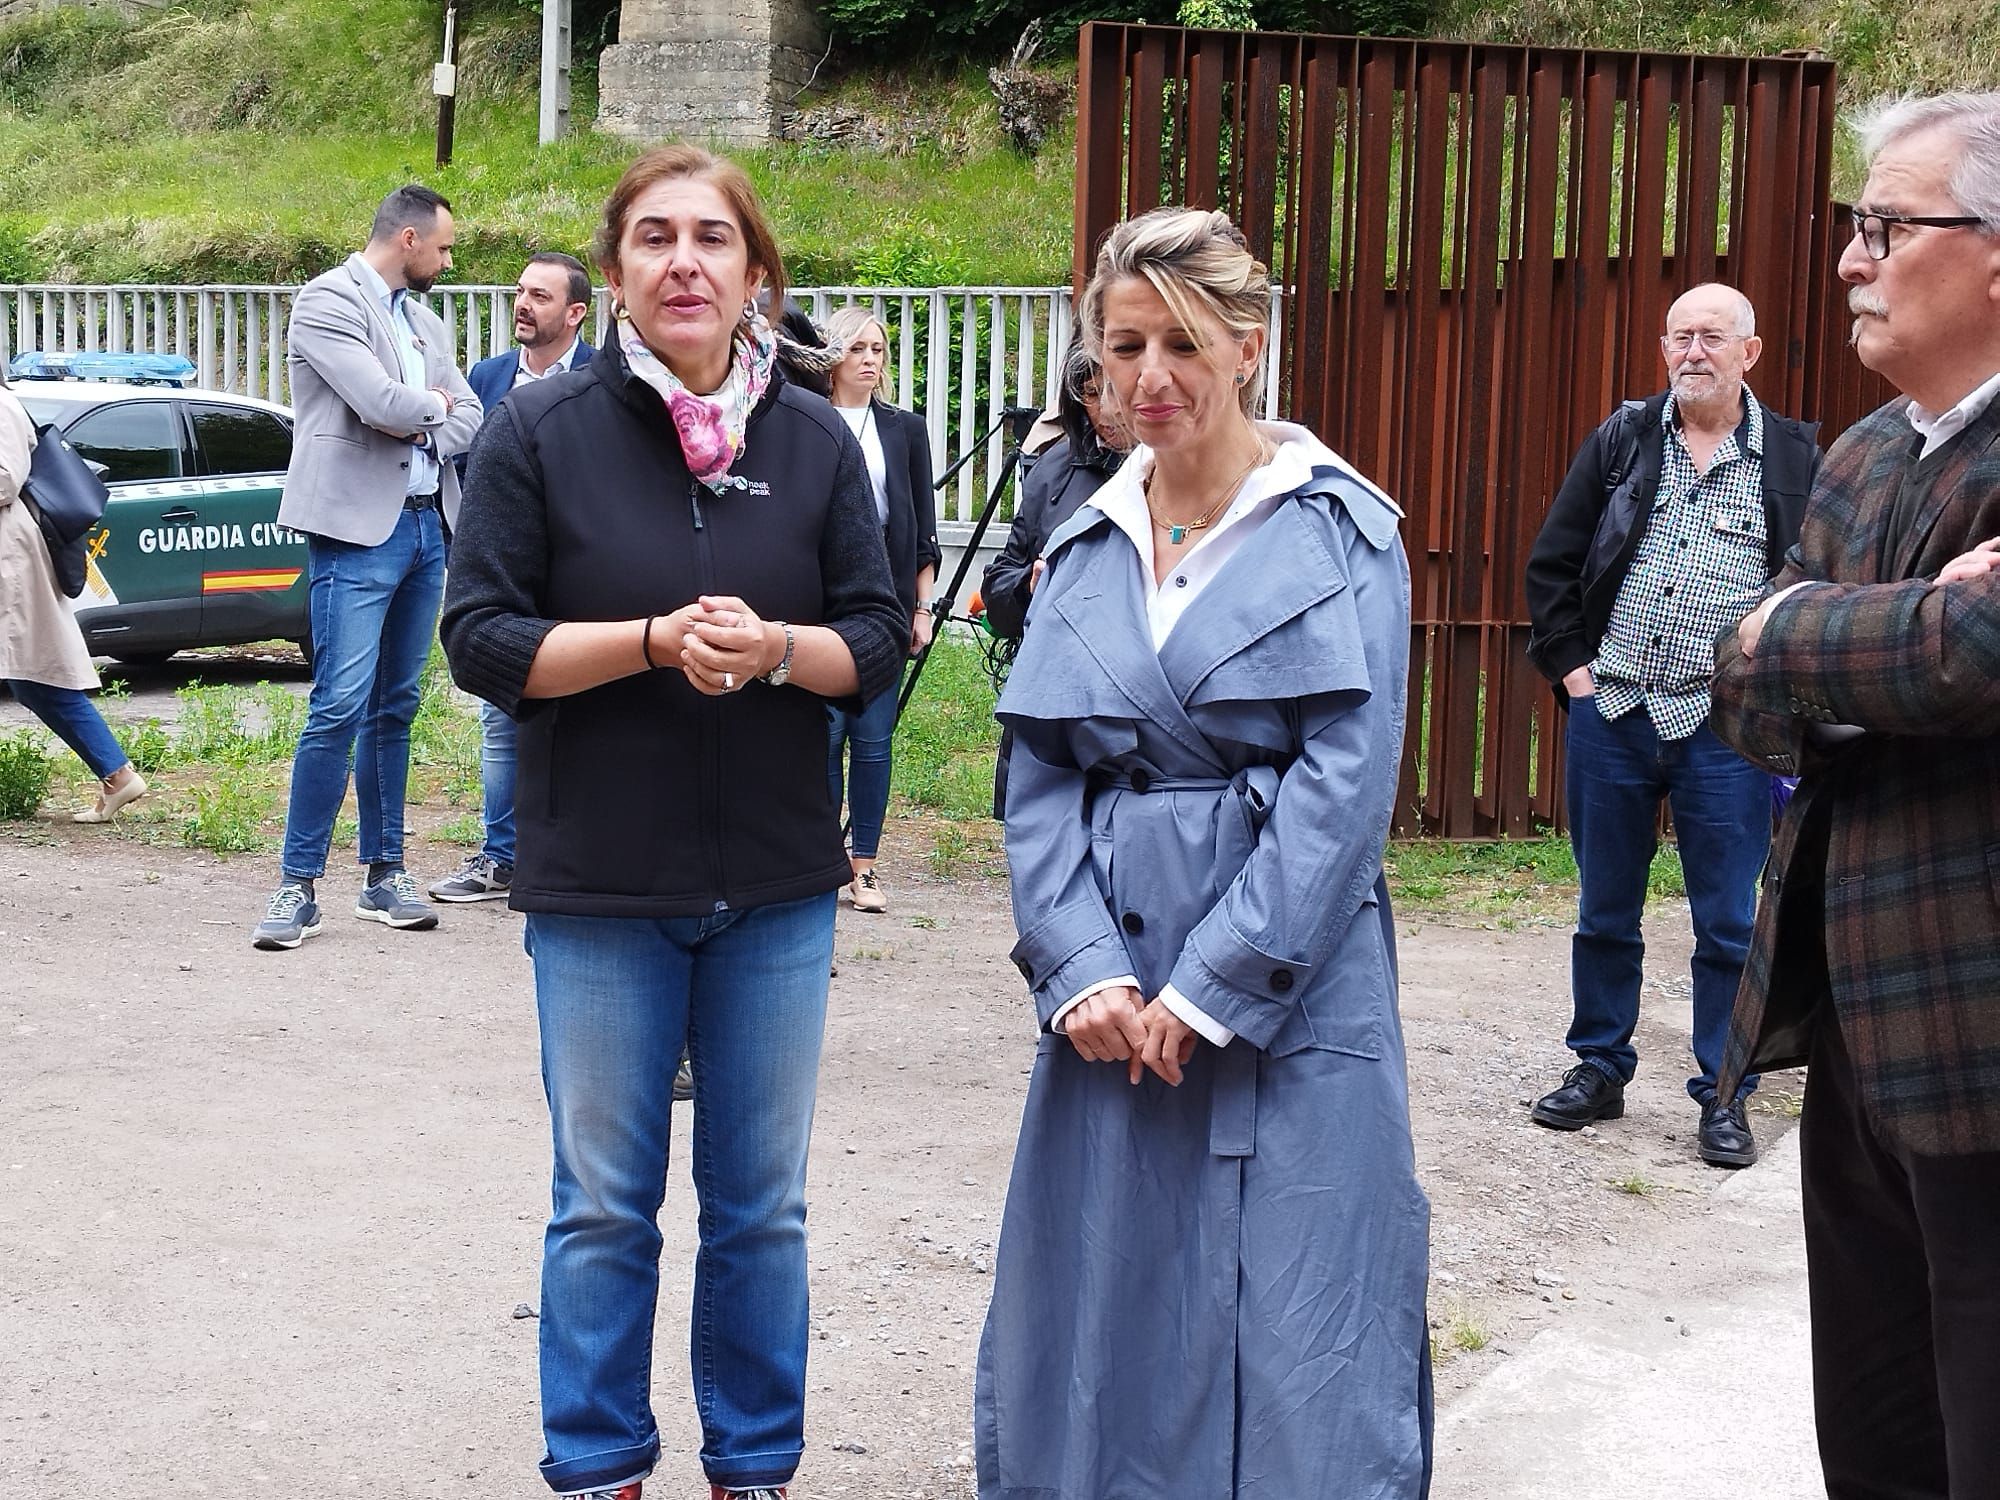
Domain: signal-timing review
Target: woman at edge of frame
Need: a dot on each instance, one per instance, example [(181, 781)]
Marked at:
[(43, 658), (897, 450), (1211, 1271), (667, 563), (1087, 450)]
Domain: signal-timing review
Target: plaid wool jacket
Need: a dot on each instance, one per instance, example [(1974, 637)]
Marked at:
[(1882, 896)]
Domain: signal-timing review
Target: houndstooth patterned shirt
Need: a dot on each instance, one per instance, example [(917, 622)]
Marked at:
[(1700, 568)]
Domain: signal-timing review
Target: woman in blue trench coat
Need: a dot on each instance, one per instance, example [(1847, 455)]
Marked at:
[(1212, 1268)]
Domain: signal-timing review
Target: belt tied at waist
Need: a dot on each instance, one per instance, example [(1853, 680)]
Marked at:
[(1232, 1129), (1142, 781)]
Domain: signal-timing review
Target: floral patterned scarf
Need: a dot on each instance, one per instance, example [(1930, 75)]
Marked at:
[(711, 428)]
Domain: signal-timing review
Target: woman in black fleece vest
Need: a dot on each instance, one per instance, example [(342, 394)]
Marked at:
[(667, 564)]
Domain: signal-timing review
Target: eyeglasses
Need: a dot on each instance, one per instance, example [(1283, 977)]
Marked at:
[(1680, 343), (1874, 228)]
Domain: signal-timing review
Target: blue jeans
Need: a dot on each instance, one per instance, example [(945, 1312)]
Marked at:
[(868, 736), (1617, 774), (76, 721), (618, 997), (374, 612), (497, 732)]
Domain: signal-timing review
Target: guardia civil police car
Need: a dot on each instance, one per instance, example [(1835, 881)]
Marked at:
[(190, 552)]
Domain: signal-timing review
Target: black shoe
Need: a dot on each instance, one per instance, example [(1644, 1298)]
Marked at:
[(1587, 1094), (1725, 1135)]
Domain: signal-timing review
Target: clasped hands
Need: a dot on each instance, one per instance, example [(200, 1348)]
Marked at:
[(1117, 1025), (718, 642)]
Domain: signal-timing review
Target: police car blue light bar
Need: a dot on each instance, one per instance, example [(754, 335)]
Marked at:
[(132, 369)]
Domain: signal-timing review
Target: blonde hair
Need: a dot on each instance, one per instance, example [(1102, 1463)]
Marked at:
[(843, 326), (1200, 264)]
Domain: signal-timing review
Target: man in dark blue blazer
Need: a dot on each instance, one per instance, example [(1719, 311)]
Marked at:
[(551, 300)]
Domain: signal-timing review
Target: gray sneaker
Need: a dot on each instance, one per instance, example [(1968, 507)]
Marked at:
[(291, 917), (394, 902), (683, 1081), (478, 879)]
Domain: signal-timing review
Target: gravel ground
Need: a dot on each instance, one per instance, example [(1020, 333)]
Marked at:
[(269, 1223)]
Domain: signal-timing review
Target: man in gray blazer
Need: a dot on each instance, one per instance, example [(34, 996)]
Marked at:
[(380, 411)]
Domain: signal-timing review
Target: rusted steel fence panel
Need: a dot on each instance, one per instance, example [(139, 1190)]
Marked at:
[(1476, 247)]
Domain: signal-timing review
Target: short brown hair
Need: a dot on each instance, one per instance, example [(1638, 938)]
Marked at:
[(666, 164)]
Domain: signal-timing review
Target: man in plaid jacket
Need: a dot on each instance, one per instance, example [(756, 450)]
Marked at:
[(1673, 517), (1874, 668)]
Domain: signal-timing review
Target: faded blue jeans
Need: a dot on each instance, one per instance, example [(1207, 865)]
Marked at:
[(617, 997), (1617, 774), (498, 734), (866, 738), (374, 615), (77, 724)]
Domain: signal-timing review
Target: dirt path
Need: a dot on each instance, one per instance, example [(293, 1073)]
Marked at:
[(265, 1220)]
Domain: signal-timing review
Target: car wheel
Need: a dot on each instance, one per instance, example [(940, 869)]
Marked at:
[(140, 658)]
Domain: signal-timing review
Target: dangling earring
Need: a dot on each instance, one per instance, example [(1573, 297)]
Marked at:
[(619, 313), (750, 311)]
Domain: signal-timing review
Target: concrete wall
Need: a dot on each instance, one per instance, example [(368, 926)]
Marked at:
[(705, 69), (14, 10)]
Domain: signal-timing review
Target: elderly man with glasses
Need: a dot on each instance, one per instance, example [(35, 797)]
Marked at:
[(1874, 668), (1675, 513)]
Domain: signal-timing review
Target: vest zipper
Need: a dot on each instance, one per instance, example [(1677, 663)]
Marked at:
[(711, 726)]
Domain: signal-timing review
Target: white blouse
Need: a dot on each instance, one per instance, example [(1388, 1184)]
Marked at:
[(861, 422)]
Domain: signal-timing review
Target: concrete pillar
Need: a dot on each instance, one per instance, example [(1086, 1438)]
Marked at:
[(717, 70)]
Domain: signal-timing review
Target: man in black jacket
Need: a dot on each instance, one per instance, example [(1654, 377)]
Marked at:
[(1673, 516)]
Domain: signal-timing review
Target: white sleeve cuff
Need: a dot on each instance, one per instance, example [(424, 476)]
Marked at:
[(1120, 981), (1188, 1013)]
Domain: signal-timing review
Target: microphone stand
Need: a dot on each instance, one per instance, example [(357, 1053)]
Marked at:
[(1018, 420)]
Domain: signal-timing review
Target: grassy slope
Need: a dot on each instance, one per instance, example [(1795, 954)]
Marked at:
[(250, 139)]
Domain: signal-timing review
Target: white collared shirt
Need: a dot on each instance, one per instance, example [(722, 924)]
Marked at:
[(523, 375), (1123, 500), (1939, 428)]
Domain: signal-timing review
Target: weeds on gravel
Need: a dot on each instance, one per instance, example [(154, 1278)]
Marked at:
[(238, 726), (1782, 1102), (445, 732), (948, 847), (25, 774), (1636, 1185), (148, 746), (468, 829), (1466, 1333), (228, 817)]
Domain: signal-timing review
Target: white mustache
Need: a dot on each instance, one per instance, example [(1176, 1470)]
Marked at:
[(1861, 299)]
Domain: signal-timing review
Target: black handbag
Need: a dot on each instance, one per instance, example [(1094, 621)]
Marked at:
[(67, 499)]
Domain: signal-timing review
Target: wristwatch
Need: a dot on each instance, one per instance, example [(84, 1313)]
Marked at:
[(781, 674)]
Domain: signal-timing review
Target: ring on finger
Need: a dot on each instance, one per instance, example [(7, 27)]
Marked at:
[(728, 682)]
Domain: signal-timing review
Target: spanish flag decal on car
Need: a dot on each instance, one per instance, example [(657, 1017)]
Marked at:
[(249, 580)]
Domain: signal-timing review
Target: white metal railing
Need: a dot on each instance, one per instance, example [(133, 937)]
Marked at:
[(958, 355)]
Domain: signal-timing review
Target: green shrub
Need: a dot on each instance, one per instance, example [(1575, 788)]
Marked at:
[(228, 817), (25, 774), (148, 746)]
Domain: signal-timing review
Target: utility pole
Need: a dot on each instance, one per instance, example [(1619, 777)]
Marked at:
[(444, 83), (555, 69)]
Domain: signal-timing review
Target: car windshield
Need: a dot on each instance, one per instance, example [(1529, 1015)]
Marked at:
[(41, 409)]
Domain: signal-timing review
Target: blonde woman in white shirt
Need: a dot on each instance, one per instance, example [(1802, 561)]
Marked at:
[(898, 454)]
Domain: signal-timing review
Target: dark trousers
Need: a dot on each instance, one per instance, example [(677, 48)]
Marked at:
[(1903, 1253)]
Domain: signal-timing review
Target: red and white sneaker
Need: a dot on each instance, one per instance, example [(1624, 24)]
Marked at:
[(717, 1492)]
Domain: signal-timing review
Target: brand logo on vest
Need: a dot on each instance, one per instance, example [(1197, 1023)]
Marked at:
[(759, 487)]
